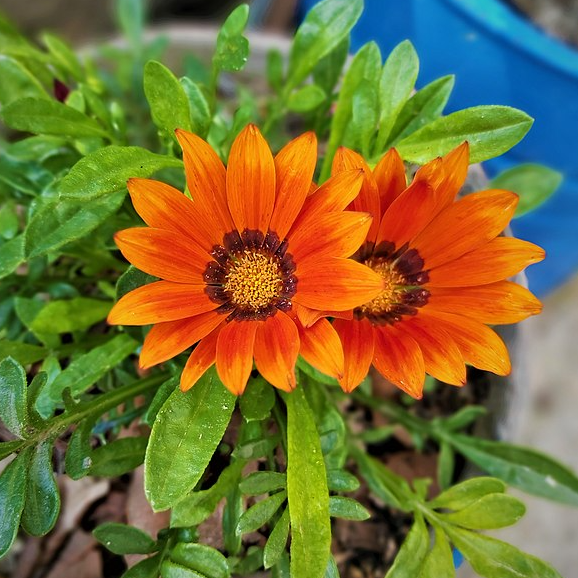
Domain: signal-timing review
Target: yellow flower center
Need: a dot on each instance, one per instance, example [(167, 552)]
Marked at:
[(392, 293), (253, 280)]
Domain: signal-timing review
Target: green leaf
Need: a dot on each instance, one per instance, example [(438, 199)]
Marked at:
[(490, 130), (202, 559), (130, 15), (277, 541), (258, 400), (131, 279), (306, 99), (314, 373), (13, 389), (328, 70), (11, 255), (106, 171), (64, 55), (170, 569), (8, 220), (77, 458), (395, 85), (260, 513), (423, 107), (523, 468), (307, 490), (488, 513), (118, 457), (7, 448), (12, 495), (446, 465), (167, 99), (23, 353), (232, 48), (412, 552), (123, 539), (341, 481), (495, 559), (86, 370), (184, 437), (274, 69), (198, 106), (258, 483), (331, 571), (439, 561), (463, 417), (347, 508), (42, 116), (364, 116), (17, 82), (161, 395), (533, 183), (42, 496), (147, 568), (324, 27), (465, 493), (61, 221)]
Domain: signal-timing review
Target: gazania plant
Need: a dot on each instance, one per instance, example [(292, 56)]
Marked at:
[(241, 305)]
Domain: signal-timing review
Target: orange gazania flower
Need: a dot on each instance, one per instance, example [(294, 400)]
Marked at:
[(244, 261), (444, 266)]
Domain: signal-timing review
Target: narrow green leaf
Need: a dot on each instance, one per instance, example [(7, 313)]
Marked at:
[(161, 395), (167, 99), (118, 457), (490, 130), (66, 316), (8, 220), (13, 389), (331, 571), (257, 483), (123, 539), (7, 448), (17, 82), (106, 171), (274, 69), (202, 559), (524, 468), (306, 99), (171, 569), (23, 353), (43, 116), (42, 495), (257, 400), (395, 85), (277, 541), (307, 490), (314, 373), (199, 107), (439, 561), (533, 183), (11, 255), (328, 70), (130, 15), (77, 458), (463, 417), (12, 495), (131, 279), (493, 558), (64, 55), (364, 117), (260, 513), (412, 552), (446, 465), (232, 48), (467, 492), (347, 508), (147, 568), (341, 481), (62, 221), (324, 27), (184, 437), (490, 512)]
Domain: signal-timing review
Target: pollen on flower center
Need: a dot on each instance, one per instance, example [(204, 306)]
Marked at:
[(403, 275), (253, 280)]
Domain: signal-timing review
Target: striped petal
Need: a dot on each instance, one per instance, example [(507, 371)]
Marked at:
[(276, 350), (496, 304), (160, 301), (358, 341), (308, 317), (499, 259), (164, 254), (294, 168), (235, 354), (337, 234), (202, 357), (465, 225), (455, 168), (251, 181), (321, 348), (166, 340), (335, 284), (398, 357), (389, 174)]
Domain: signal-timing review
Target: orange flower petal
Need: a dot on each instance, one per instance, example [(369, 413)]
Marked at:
[(164, 254), (235, 354), (308, 317), (160, 301), (163, 207), (455, 167), (321, 348), (276, 350), (496, 304), (294, 168), (499, 259), (480, 346), (389, 174), (206, 182), (357, 339), (202, 357), (166, 340), (337, 234), (465, 225), (398, 357), (441, 355), (251, 181), (367, 201), (335, 284)]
